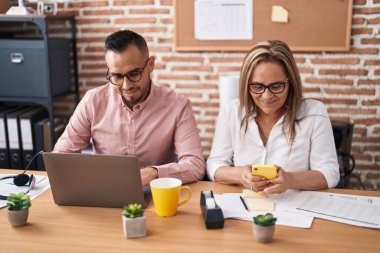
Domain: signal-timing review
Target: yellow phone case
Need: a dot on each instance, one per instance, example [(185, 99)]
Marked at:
[(267, 171)]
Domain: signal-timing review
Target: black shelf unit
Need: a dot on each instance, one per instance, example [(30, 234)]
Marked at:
[(41, 22)]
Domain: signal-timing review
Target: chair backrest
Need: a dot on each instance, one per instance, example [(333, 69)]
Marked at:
[(343, 132)]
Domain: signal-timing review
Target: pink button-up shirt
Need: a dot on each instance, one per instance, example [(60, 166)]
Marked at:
[(159, 131)]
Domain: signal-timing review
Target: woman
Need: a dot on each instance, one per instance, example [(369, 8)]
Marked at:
[(271, 123)]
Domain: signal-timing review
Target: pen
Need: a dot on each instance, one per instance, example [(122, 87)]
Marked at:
[(242, 200)]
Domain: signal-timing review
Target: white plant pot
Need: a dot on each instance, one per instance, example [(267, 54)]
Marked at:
[(18, 218), (134, 228), (263, 234)]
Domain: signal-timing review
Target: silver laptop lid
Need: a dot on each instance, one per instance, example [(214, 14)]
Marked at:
[(94, 180)]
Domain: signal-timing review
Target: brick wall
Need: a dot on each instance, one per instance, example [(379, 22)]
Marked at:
[(348, 83)]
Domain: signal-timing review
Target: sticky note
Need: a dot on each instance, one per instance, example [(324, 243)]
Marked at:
[(251, 194), (266, 205), (279, 14)]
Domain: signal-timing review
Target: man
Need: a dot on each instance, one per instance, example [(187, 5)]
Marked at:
[(132, 115)]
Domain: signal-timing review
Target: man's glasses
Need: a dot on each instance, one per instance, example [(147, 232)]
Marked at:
[(274, 88), (133, 76)]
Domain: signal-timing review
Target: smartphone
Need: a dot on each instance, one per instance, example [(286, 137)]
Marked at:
[(267, 171)]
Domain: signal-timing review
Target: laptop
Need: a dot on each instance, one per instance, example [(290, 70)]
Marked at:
[(95, 180)]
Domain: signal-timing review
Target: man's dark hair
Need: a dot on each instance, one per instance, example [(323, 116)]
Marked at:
[(121, 40)]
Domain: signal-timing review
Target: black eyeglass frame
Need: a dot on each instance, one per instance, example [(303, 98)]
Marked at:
[(140, 71), (269, 87)]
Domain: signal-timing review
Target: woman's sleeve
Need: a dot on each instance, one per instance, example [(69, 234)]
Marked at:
[(323, 156)]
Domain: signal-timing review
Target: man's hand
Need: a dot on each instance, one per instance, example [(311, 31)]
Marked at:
[(148, 174)]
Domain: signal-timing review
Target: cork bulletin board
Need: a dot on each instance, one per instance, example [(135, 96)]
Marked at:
[(313, 26)]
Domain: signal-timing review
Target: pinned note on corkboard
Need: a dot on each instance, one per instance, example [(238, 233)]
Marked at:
[(306, 26)]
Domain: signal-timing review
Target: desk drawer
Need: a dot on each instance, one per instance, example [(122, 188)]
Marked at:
[(23, 67)]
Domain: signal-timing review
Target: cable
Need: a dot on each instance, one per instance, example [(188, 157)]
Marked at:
[(31, 161)]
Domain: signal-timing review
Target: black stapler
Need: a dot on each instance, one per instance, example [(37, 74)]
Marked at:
[(212, 213)]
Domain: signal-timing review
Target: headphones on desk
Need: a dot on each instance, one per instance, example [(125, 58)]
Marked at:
[(23, 179)]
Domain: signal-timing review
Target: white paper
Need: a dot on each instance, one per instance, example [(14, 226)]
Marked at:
[(7, 187), (223, 19), (228, 89), (232, 207), (348, 209)]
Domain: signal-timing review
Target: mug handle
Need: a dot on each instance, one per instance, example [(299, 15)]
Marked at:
[(185, 187)]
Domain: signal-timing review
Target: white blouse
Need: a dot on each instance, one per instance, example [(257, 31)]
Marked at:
[(313, 147)]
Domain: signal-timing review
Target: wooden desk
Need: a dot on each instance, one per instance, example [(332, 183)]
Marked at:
[(53, 228)]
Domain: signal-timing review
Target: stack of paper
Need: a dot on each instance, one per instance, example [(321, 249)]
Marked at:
[(350, 209), (233, 207), (298, 208)]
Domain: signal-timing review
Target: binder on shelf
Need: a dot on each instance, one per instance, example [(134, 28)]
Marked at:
[(59, 127), (28, 138), (43, 137), (4, 141), (39, 141), (14, 135), (47, 136)]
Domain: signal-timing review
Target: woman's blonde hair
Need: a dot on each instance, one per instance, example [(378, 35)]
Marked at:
[(279, 52)]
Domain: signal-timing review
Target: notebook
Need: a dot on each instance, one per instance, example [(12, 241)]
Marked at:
[(95, 180)]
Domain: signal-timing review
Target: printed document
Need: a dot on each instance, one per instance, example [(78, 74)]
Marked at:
[(7, 187), (223, 19), (355, 210)]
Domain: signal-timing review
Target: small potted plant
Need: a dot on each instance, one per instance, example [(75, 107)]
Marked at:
[(18, 209), (263, 227), (134, 221)]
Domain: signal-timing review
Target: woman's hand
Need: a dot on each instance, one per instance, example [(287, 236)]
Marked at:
[(254, 183), (278, 184)]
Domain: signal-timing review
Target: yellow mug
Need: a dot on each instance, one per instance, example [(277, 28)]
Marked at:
[(165, 193)]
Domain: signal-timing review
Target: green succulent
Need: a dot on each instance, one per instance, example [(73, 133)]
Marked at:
[(265, 220), (133, 211), (19, 201)]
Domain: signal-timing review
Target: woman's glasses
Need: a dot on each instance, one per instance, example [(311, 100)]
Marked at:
[(275, 88)]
